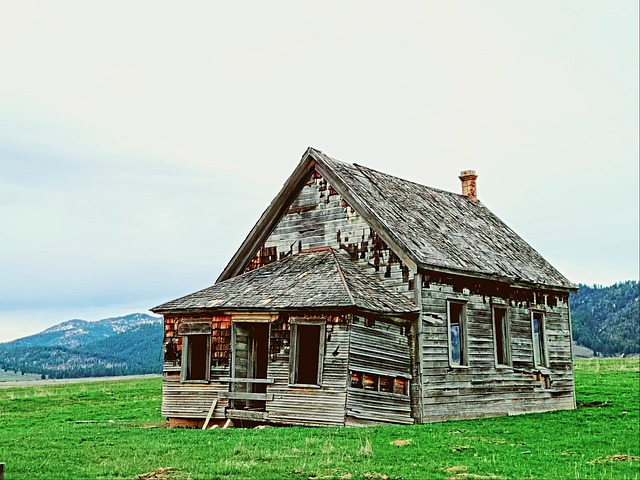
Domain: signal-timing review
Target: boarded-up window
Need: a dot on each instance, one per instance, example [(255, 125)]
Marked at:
[(457, 320), (307, 351), (539, 343), (501, 336)]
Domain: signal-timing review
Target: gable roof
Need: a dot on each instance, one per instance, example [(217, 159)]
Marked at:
[(322, 279), (426, 227)]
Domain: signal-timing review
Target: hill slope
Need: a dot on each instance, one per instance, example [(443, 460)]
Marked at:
[(114, 346), (607, 319)]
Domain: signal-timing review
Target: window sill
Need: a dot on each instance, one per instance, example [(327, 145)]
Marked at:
[(194, 381), (542, 369), (458, 367), (504, 367), (304, 385)]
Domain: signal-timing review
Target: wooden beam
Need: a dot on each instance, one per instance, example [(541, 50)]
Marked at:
[(246, 396), (213, 407), (246, 380), (194, 328), (418, 353), (252, 415)]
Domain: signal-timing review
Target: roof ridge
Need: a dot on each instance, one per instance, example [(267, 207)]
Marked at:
[(344, 280)]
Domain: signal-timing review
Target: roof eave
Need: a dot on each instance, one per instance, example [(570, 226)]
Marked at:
[(350, 309), (513, 282)]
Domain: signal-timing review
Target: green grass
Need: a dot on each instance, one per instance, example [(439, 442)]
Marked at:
[(100, 430)]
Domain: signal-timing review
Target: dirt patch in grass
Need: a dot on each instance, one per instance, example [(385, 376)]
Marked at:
[(615, 458), (474, 476), (164, 473), (462, 448), (594, 405), (376, 476), (457, 469), (401, 443)]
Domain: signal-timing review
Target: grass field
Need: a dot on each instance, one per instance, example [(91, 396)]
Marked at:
[(114, 430), (12, 376)]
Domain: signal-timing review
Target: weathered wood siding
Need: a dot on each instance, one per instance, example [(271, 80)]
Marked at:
[(482, 388), (320, 217), (193, 400), (322, 406), (381, 349)]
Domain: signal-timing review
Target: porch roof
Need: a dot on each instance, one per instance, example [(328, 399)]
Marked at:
[(308, 280)]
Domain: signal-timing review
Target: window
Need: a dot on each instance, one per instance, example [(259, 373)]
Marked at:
[(196, 358), (196, 350), (379, 383), (539, 343), (501, 336), (457, 320), (307, 353)]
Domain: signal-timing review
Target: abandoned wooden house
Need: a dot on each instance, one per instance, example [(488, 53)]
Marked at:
[(360, 298)]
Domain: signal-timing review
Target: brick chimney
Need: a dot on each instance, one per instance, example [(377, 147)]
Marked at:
[(468, 179)]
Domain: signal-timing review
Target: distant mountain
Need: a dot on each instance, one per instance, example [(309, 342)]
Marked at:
[(607, 319), (77, 348)]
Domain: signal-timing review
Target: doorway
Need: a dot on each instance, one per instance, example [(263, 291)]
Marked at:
[(250, 360)]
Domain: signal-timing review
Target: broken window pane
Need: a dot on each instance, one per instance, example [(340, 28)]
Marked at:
[(539, 353), (458, 354), (369, 381), (501, 335), (386, 384), (400, 386), (356, 379)]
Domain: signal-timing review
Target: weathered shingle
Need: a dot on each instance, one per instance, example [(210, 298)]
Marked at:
[(313, 280), (440, 229)]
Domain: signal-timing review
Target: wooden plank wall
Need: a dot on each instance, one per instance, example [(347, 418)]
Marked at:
[(321, 406), (193, 400), (482, 389), (383, 349), (320, 217)]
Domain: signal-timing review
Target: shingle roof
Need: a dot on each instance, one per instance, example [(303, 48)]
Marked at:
[(313, 280), (440, 229)]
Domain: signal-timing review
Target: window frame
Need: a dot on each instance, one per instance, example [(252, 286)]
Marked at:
[(505, 334), (294, 351), (463, 325), (186, 351), (541, 341)]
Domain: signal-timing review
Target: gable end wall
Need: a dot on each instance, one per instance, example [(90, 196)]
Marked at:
[(320, 217)]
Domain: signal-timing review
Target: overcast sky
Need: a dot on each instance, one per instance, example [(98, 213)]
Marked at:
[(140, 141)]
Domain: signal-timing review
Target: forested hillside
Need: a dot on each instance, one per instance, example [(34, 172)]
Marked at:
[(607, 319), (126, 345)]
